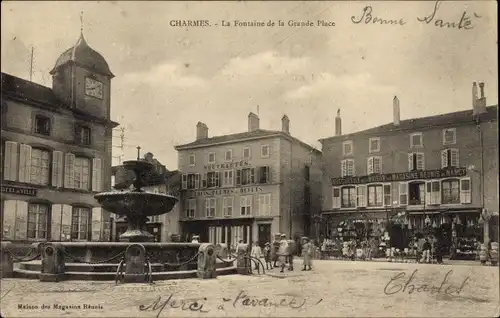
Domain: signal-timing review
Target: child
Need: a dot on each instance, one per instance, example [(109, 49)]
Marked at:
[(267, 255)]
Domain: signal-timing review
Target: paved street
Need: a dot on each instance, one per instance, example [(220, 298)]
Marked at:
[(333, 289)]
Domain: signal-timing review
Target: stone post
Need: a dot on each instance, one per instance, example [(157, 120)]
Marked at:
[(206, 261), (53, 263), (135, 264), (242, 263), (7, 268)]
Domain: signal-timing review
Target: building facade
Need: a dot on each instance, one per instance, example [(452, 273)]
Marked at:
[(249, 185), (437, 171), (56, 151), (161, 180)]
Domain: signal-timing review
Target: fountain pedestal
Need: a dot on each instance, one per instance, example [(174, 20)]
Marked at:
[(135, 231)]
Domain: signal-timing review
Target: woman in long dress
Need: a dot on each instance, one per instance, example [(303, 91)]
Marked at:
[(283, 253), (307, 254)]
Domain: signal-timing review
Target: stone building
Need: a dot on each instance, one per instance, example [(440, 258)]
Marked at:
[(248, 185), (437, 171), (56, 151), (161, 180)]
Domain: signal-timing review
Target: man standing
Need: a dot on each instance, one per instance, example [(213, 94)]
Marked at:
[(307, 250), (426, 253), (256, 253)]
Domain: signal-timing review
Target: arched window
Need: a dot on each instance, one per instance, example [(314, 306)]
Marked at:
[(80, 223), (348, 197), (450, 191), (416, 193), (40, 166), (38, 214)]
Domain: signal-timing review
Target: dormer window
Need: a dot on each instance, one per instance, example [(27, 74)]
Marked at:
[(347, 148), (82, 135), (42, 125)]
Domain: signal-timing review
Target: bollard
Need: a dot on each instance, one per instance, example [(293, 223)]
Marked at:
[(242, 262), (221, 250), (206, 261), (7, 268), (53, 265), (135, 264)]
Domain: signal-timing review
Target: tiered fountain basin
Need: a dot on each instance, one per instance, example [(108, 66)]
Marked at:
[(83, 261)]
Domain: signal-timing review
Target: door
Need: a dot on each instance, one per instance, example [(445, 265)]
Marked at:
[(264, 234)]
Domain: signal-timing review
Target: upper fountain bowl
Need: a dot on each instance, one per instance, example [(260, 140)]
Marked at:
[(136, 203)]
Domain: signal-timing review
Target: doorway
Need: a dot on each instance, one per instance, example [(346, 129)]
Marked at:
[(264, 234)]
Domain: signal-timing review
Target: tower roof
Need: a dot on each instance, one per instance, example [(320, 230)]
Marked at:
[(83, 55)]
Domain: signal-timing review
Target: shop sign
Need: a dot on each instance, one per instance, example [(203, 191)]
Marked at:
[(402, 176), (229, 165), (20, 191), (228, 191)]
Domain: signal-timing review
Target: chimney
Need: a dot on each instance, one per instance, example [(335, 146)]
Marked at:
[(201, 131), (395, 111), (253, 122), (285, 124), (338, 124), (479, 104)]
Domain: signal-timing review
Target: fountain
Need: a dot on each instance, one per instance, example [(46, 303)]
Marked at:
[(136, 258)]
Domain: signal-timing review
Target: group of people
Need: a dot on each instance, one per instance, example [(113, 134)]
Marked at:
[(282, 251)]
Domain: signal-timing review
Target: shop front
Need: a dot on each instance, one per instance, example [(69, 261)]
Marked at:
[(227, 231)]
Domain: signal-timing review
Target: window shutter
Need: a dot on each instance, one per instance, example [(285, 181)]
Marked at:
[(268, 173), (369, 167), (351, 162), (11, 162), (387, 198), (69, 171), (465, 190), (238, 177), (343, 171), (410, 161), (24, 163), (436, 188), (9, 218), (420, 161), (204, 183), (336, 197), (219, 179), (96, 223), (55, 232), (444, 158), (454, 157), (197, 181), (96, 174), (57, 169), (428, 193), (21, 220), (361, 189), (377, 164), (403, 193), (67, 211), (184, 181)]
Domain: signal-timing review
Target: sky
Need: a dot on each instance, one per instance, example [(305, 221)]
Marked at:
[(169, 78)]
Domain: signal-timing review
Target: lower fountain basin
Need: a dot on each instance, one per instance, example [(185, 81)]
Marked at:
[(136, 203), (100, 261)]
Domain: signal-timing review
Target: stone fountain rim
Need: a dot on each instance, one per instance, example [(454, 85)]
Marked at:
[(125, 244), (134, 193)]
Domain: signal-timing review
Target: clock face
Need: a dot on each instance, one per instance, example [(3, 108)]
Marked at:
[(93, 88)]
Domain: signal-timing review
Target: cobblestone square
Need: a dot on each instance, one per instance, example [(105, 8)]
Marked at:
[(332, 289)]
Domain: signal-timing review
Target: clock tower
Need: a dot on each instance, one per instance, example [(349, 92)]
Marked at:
[(81, 78)]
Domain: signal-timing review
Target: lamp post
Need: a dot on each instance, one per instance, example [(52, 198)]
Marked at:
[(485, 214)]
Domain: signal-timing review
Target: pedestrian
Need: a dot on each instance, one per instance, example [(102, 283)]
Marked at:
[(267, 255), (283, 252), (256, 253), (195, 239), (307, 251), (426, 251)]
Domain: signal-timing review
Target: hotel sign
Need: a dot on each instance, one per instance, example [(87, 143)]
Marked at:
[(402, 176), (20, 191), (229, 165), (245, 190)]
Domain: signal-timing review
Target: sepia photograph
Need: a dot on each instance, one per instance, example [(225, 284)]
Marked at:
[(249, 159)]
